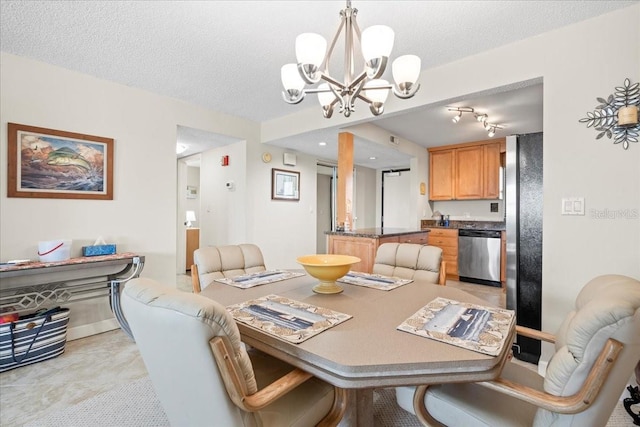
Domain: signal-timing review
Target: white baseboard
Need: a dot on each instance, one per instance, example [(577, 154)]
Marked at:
[(83, 331)]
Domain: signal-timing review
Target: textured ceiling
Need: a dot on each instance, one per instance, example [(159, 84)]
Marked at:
[(226, 55)]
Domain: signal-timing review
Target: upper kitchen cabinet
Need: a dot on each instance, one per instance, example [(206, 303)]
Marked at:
[(491, 178), (469, 182), (465, 171), (441, 174)]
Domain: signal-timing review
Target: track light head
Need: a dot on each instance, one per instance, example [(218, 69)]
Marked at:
[(482, 118)]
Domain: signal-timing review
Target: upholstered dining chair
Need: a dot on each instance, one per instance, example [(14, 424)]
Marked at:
[(596, 349), (410, 261), (218, 262), (204, 376)]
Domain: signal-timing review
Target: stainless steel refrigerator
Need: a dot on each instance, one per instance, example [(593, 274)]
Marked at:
[(523, 210)]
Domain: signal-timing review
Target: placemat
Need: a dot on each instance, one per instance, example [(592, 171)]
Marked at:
[(474, 327), (287, 319), (262, 278), (376, 281)]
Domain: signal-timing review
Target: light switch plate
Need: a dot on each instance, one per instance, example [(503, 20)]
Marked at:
[(573, 206)]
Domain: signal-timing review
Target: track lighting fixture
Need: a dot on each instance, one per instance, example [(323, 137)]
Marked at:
[(492, 130), (459, 110), (483, 119)]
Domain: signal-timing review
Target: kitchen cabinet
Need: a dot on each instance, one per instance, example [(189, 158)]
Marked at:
[(193, 243), (491, 171), (441, 175), (447, 240), (364, 244), (469, 182), (469, 171)]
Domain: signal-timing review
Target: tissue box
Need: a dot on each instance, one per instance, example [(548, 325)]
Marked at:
[(96, 250)]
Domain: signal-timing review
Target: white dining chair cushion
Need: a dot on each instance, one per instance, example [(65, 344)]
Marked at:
[(604, 305), (292, 409), (219, 262), (215, 319), (466, 404), (173, 329), (608, 307), (408, 261)]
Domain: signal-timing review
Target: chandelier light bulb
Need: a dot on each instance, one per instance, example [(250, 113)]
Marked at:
[(482, 117), (291, 79), (492, 132), (487, 125), (406, 70), (310, 49), (376, 95), (325, 98), (377, 42), (457, 117)]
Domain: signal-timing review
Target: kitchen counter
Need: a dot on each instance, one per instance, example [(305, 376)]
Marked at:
[(376, 232), (363, 243), (477, 225)]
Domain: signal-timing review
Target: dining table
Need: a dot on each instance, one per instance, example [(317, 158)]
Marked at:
[(367, 351)]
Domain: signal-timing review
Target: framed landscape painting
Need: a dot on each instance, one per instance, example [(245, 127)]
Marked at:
[(48, 163)]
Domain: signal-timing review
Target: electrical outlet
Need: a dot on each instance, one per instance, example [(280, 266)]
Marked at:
[(494, 207)]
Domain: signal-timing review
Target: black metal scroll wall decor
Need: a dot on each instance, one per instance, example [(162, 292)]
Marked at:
[(617, 116)]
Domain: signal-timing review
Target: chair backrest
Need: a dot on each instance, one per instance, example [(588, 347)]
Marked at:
[(608, 307), (409, 261), (218, 262), (172, 330)]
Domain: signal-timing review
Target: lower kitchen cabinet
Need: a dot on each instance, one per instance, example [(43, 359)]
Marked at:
[(447, 240), (364, 244)]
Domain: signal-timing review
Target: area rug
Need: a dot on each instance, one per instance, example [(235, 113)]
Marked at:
[(135, 405), (128, 405)]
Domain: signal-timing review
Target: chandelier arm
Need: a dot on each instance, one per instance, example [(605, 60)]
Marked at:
[(333, 82), (348, 48), (327, 56), (408, 95), (357, 80), (357, 94)]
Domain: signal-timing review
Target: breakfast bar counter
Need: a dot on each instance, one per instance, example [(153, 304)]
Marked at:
[(363, 243)]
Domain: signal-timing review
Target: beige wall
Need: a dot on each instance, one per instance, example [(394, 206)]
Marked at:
[(577, 64), (142, 217)]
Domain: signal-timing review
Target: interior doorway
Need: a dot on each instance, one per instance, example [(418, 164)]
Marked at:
[(396, 184), (327, 177)]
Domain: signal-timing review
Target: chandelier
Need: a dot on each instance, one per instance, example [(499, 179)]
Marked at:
[(375, 43)]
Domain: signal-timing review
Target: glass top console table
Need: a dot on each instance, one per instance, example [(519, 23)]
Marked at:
[(34, 285)]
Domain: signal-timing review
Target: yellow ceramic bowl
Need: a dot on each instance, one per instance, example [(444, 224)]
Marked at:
[(327, 268)]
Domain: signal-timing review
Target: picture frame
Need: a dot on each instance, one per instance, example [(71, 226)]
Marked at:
[(56, 164), (285, 185), (192, 192)]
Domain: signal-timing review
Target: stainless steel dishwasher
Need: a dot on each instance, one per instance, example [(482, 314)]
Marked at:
[(479, 256)]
